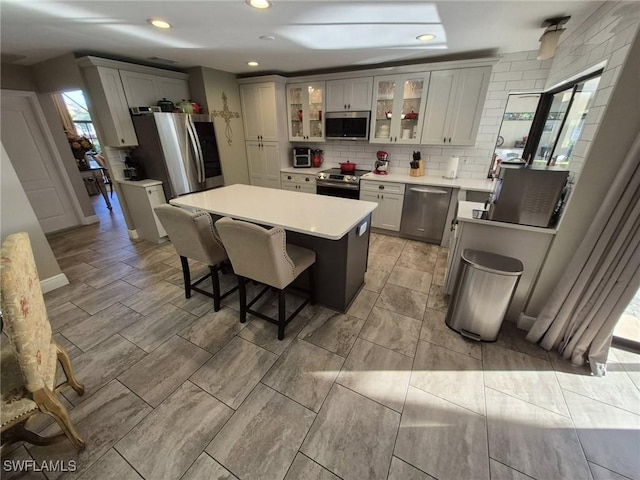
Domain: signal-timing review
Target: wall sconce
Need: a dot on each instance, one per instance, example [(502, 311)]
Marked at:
[(549, 39)]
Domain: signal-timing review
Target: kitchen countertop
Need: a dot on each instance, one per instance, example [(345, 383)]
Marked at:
[(303, 171), (465, 214), (461, 183), (306, 213)]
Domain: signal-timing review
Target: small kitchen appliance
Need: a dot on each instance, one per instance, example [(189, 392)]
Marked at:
[(347, 125), (528, 195), (317, 158), (382, 164), (302, 157)]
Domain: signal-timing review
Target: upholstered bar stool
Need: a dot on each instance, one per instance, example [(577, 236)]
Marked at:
[(194, 236), (264, 255)]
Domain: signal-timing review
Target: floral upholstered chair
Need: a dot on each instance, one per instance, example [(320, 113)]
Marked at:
[(29, 363)]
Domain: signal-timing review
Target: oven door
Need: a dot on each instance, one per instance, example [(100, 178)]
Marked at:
[(338, 189)]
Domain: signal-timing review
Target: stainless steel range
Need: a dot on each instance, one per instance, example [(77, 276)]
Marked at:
[(337, 184)]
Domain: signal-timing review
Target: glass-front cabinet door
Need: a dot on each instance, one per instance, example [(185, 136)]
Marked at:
[(399, 102), (305, 103)]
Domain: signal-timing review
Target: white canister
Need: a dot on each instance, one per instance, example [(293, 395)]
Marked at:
[(406, 133), (452, 167)]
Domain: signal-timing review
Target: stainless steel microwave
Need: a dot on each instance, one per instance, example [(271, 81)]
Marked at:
[(347, 125)]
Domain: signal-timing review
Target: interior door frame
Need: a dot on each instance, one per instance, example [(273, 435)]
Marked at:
[(58, 164)]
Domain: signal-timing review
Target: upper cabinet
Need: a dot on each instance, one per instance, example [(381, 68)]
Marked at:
[(109, 104), (349, 94), (454, 106), (305, 103), (143, 89), (259, 112), (398, 108)]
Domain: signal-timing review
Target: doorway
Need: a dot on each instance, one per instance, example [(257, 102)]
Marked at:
[(31, 149)]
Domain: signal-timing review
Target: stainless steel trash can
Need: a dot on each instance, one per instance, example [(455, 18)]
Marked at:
[(485, 286)]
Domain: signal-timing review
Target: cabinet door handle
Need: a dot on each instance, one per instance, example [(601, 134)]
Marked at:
[(306, 179), (444, 140), (122, 140), (380, 187), (345, 106), (289, 177), (449, 139), (348, 105)]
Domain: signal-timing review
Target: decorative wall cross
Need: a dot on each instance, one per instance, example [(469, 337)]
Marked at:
[(227, 115)]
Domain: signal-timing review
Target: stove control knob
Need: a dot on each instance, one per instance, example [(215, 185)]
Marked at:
[(347, 178)]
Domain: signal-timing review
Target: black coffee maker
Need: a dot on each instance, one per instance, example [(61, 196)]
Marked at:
[(132, 169)]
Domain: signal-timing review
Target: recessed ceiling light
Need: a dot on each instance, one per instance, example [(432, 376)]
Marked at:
[(267, 38), (156, 22), (262, 4), (253, 64), (427, 37)]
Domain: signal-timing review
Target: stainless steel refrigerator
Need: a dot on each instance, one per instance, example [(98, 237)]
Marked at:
[(180, 150)]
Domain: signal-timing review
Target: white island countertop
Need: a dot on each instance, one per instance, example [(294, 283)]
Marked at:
[(315, 215), (461, 183)]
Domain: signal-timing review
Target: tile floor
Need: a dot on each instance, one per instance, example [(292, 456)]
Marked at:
[(177, 391)]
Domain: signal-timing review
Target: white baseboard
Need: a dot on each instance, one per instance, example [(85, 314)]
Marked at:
[(133, 234), (51, 283), (90, 220), (525, 322)]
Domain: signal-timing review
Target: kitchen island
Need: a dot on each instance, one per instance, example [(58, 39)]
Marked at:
[(335, 228)]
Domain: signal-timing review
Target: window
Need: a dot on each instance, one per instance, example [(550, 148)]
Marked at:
[(77, 108), (559, 121)]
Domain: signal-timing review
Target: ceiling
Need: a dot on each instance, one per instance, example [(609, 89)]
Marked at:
[(309, 35)]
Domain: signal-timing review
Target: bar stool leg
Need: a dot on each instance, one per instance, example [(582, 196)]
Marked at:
[(282, 315), (312, 284), (186, 275), (242, 290), (216, 287)]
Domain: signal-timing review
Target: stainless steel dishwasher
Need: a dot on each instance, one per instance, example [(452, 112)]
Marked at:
[(424, 212)]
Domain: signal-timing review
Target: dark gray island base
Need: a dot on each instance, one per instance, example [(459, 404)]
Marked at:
[(337, 229), (340, 265)]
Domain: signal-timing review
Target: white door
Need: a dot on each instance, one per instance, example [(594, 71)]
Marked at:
[(271, 155), (255, 161), (30, 154)]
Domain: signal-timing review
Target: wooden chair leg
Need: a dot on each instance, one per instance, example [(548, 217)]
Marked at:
[(63, 358), (242, 290), (282, 314), (19, 433), (186, 275), (49, 403), (216, 287)]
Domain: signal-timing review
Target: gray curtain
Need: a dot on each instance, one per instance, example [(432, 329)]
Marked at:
[(601, 279)]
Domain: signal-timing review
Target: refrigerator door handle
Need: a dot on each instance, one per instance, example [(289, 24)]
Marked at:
[(190, 132), (199, 149)]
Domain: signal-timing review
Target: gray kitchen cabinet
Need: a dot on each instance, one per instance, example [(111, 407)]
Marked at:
[(349, 94), (141, 198), (298, 182), (259, 113), (527, 244), (264, 164), (305, 104), (398, 106), (144, 89), (109, 106), (454, 106), (389, 197)]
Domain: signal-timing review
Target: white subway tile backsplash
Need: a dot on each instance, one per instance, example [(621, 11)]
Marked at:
[(535, 74), (507, 76), (525, 65), (516, 56), (502, 66), (518, 85), (493, 86)]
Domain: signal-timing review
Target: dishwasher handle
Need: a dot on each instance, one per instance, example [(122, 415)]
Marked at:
[(428, 190)]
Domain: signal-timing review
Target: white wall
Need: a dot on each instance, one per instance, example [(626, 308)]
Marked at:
[(16, 215), (515, 72), (612, 125), (210, 84), (605, 37)]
